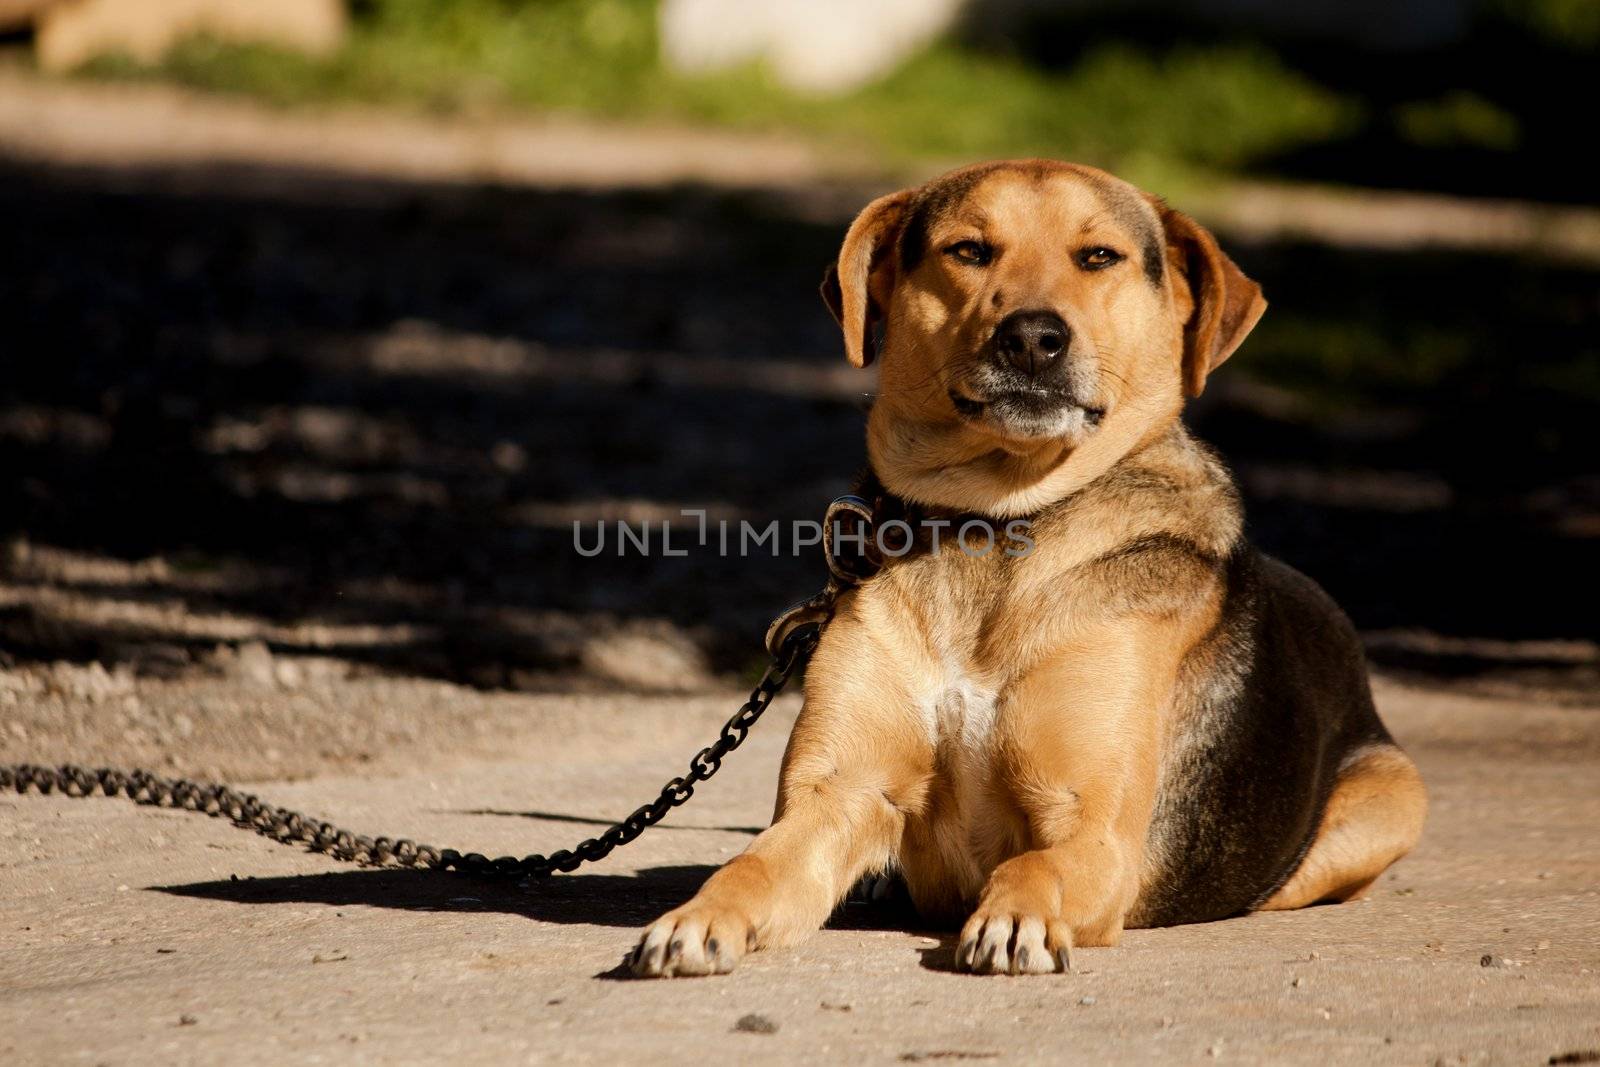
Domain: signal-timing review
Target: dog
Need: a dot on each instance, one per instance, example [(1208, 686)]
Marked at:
[(1142, 721)]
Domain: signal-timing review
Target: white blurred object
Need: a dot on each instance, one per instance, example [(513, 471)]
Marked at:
[(69, 33), (818, 46)]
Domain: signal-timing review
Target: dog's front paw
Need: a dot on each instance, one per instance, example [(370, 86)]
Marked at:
[(1013, 942), (695, 939)]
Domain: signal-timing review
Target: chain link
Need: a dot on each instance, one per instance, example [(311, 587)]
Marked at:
[(292, 827)]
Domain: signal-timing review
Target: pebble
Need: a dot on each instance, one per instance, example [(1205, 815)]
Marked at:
[(755, 1024), (187, 1020), (1491, 960), (1086, 1001)]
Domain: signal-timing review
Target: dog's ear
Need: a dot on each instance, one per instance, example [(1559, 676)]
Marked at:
[(1225, 304), (857, 288)]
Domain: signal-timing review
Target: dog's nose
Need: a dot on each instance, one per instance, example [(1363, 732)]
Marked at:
[(1031, 340)]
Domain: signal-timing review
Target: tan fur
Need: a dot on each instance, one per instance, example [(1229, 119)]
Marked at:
[(999, 728), (1374, 817)]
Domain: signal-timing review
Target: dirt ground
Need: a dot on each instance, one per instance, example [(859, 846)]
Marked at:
[(295, 419), (137, 935)]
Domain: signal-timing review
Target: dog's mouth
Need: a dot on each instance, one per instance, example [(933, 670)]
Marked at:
[(1032, 412)]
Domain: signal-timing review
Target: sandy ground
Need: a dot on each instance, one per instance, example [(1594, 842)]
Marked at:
[(137, 935)]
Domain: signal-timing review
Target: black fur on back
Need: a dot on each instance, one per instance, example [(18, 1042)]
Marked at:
[(1283, 698)]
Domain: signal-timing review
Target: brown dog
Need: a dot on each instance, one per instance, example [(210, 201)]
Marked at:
[(1142, 721)]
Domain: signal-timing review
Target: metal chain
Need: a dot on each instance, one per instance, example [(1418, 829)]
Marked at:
[(292, 827)]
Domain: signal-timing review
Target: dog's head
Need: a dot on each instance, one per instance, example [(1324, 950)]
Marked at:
[(1035, 320)]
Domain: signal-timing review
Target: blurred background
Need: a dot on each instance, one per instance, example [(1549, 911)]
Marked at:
[(326, 319)]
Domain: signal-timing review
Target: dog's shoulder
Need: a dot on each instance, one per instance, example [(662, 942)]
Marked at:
[(1176, 488), (1155, 532)]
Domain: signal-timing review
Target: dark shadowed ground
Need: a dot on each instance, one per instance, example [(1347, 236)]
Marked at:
[(365, 415)]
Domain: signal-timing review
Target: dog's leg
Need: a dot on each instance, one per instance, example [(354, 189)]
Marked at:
[(1373, 818), (855, 758), (1079, 751)]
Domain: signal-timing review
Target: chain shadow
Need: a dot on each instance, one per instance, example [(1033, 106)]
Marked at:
[(615, 900), (585, 820)]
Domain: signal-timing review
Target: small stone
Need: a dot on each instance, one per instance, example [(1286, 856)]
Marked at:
[(1298, 982), (288, 675), (1489, 959), (1086, 1001), (755, 1024), (187, 1020)]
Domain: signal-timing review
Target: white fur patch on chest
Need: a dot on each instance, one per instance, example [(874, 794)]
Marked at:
[(961, 710)]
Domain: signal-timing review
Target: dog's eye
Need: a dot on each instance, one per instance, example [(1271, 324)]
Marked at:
[(1098, 258), (972, 252)]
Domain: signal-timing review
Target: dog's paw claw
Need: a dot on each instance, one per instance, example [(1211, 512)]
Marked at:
[(1014, 944), (690, 941)]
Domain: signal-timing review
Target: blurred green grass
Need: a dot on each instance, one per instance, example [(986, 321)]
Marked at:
[(1210, 107), (1163, 92)]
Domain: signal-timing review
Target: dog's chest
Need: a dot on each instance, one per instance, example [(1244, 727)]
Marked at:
[(960, 708), (966, 826), (946, 613), (961, 679)]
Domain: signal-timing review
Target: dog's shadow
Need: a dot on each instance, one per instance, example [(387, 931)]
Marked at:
[(624, 900), (621, 900), (614, 900)]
